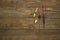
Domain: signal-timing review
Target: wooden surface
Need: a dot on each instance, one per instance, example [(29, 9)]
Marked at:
[(17, 23)]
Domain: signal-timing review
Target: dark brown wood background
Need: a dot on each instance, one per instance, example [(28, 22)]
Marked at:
[(17, 23)]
